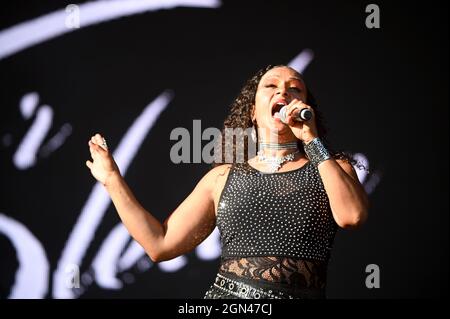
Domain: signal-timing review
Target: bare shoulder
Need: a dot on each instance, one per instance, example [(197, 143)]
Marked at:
[(212, 180), (217, 173), (213, 177), (216, 179)]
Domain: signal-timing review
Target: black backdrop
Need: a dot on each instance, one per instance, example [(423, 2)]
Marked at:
[(384, 93)]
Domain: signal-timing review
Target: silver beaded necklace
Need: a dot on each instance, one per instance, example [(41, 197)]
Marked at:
[(274, 162)]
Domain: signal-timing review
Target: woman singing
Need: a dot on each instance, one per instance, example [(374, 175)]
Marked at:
[(277, 212)]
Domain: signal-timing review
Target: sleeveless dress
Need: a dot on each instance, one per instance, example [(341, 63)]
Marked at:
[(276, 233)]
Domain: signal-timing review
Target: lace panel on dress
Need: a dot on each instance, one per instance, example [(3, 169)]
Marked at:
[(295, 272)]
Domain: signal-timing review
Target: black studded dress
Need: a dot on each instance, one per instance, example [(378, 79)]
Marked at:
[(276, 232)]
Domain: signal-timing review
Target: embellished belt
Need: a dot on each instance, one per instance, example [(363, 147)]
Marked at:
[(245, 291)]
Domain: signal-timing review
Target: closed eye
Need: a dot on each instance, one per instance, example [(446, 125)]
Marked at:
[(295, 89), (270, 86)]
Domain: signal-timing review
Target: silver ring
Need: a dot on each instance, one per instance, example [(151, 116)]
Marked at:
[(104, 144)]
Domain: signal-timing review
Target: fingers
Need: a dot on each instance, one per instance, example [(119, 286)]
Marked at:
[(291, 122), (291, 112), (96, 149), (296, 106), (92, 148), (293, 109), (99, 141)]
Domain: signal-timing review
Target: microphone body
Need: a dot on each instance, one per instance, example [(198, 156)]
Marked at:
[(304, 115)]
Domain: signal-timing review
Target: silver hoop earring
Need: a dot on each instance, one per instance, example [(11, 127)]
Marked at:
[(253, 134)]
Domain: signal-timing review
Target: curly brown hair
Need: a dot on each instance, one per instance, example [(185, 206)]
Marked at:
[(240, 116)]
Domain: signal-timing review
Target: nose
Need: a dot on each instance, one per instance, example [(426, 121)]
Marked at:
[(283, 92)]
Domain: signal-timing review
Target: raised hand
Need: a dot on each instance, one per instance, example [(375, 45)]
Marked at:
[(303, 130), (102, 165)]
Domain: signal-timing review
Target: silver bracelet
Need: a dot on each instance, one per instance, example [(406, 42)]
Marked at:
[(316, 151)]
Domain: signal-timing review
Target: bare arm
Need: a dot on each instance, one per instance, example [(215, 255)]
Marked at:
[(348, 199), (183, 230)]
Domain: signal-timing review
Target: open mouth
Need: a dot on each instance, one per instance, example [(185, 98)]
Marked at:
[(276, 109)]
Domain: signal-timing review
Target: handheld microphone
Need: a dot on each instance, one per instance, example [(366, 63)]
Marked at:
[(304, 115)]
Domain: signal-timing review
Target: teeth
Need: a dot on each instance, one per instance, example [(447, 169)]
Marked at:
[(276, 110)]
